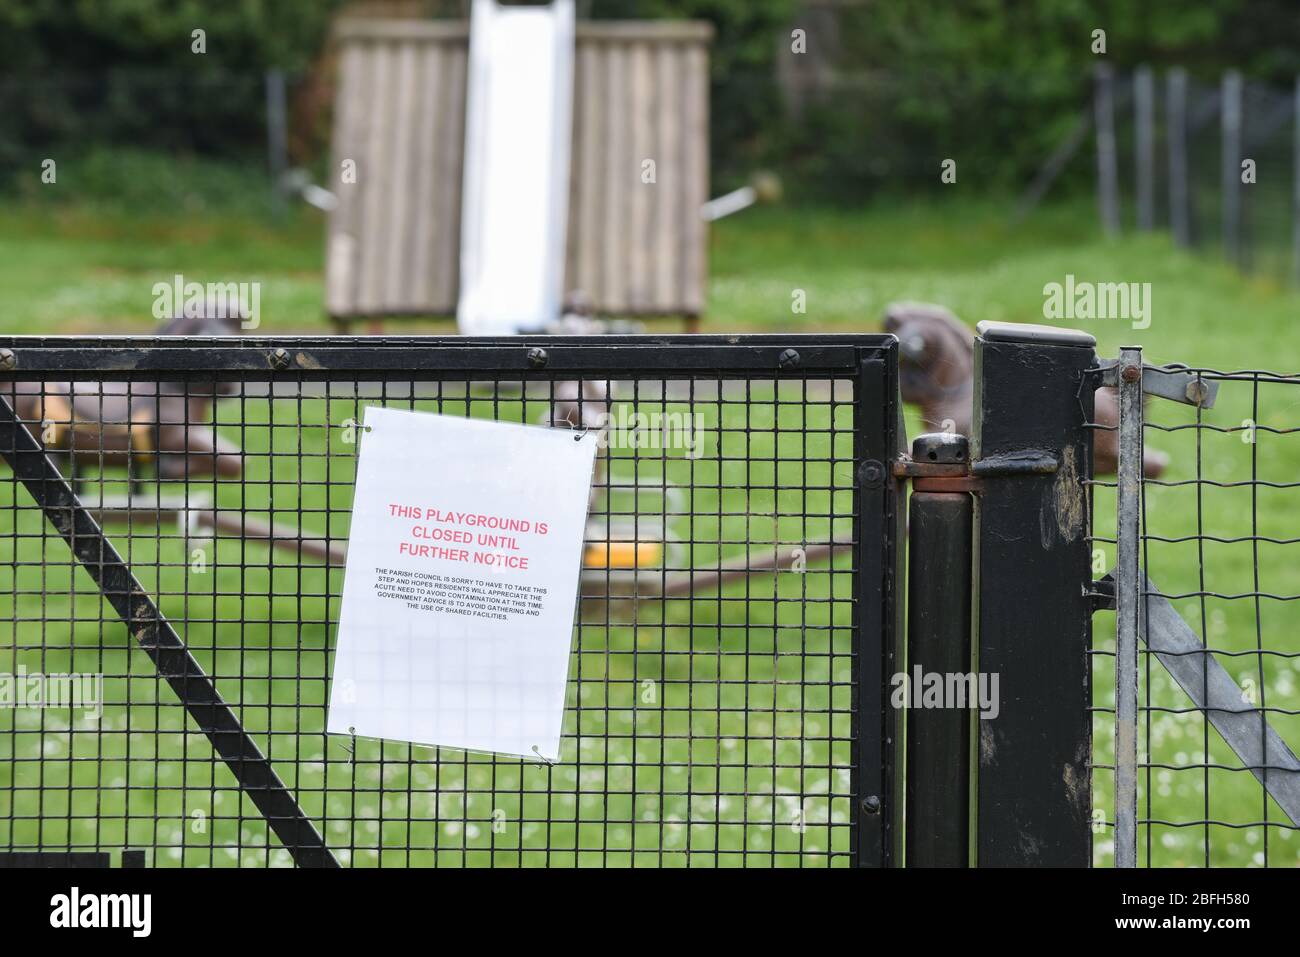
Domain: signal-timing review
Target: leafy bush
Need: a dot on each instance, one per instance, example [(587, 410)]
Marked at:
[(125, 71), (993, 84)]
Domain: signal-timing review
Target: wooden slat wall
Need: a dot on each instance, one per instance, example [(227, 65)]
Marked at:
[(641, 92)]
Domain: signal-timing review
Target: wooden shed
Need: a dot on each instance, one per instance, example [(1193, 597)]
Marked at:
[(636, 241)]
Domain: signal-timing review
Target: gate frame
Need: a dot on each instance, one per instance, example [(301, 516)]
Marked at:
[(869, 361)]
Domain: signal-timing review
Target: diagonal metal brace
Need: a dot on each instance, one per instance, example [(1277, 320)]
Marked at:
[(1245, 728), (1172, 382), (161, 643)]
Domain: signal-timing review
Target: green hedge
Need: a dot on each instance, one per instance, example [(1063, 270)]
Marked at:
[(85, 72), (991, 83)]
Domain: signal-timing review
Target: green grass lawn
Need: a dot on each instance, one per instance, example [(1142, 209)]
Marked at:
[(754, 762)]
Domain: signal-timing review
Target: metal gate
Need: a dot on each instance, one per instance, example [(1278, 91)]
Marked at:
[(1190, 687), (174, 513), (174, 516), (1201, 684)]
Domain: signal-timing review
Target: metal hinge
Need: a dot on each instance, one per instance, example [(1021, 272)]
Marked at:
[(1100, 595)]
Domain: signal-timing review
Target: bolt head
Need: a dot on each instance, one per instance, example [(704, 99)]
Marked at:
[(1130, 373), (872, 472), (789, 359), (7, 359), (871, 804), (280, 358), (537, 358), (1197, 391)]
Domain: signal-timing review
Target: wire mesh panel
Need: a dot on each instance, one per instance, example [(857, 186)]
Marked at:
[(735, 603), (1218, 543)]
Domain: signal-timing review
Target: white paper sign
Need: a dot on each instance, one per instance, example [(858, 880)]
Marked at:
[(461, 582)]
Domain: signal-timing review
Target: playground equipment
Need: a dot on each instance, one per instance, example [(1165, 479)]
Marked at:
[(529, 174), (472, 158), (162, 426), (517, 138), (937, 372)]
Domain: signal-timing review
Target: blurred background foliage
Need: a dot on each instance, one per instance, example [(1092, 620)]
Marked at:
[(124, 71), (882, 93)]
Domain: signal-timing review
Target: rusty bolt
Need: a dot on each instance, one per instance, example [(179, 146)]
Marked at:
[(1131, 373), (1197, 391), (537, 358), (7, 359), (280, 359), (789, 359), (871, 804)]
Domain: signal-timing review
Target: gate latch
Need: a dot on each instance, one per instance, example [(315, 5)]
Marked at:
[(941, 462), (1173, 381)]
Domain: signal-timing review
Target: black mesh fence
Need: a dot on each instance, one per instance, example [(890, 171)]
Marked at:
[(714, 713)]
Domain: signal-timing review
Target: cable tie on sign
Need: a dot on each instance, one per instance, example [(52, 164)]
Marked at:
[(352, 751), (545, 760)]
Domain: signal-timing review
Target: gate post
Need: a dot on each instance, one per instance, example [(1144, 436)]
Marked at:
[(938, 642), (1032, 451)]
